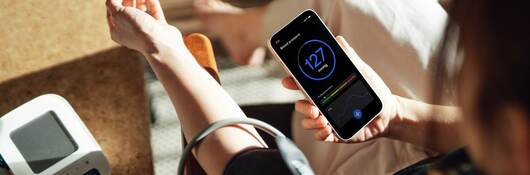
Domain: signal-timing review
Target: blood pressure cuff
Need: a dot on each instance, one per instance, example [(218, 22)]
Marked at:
[(257, 161)]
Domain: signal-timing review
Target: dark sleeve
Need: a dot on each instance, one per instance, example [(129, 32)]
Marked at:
[(456, 162), (257, 161)]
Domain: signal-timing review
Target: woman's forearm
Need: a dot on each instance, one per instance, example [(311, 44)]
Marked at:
[(432, 126), (199, 101), (196, 96)]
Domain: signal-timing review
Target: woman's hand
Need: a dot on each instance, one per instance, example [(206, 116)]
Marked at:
[(142, 28), (315, 121)]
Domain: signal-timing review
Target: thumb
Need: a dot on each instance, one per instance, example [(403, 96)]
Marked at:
[(349, 50), (357, 61)]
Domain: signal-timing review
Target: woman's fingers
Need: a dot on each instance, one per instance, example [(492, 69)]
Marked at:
[(307, 109), (140, 4), (331, 138), (155, 9), (288, 82), (128, 3), (318, 123), (323, 133), (346, 46), (110, 22), (114, 5)]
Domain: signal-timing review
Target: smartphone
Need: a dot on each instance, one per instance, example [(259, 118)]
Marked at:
[(322, 70)]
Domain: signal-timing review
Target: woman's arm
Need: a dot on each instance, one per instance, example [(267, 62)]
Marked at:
[(198, 99), (430, 126)]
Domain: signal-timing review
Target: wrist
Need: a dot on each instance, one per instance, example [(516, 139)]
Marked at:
[(168, 54), (403, 119), (165, 44)]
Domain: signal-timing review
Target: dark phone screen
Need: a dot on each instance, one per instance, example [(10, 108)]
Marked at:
[(325, 72)]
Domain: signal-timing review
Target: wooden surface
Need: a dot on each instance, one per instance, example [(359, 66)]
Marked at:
[(38, 34), (107, 91), (63, 47)]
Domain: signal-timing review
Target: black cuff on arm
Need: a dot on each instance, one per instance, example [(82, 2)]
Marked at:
[(257, 161)]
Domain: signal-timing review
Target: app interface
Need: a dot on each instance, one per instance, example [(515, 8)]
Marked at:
[(313, 56)]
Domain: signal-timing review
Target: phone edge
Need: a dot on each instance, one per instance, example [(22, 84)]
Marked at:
[(278, 59)]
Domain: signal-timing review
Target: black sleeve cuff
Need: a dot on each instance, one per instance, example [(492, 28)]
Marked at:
[(257, 161)]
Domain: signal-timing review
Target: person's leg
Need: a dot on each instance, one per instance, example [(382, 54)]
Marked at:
[(239, 29)]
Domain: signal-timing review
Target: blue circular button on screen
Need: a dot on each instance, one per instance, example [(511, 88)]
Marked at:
[(316, 60), (357, 114)]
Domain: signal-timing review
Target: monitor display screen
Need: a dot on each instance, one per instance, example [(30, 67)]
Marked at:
[(43, 142)]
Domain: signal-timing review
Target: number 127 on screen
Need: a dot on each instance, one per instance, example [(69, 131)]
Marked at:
[(313, 60)]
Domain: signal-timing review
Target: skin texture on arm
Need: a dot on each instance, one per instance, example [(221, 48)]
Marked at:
[(431, 126), (198, 99)]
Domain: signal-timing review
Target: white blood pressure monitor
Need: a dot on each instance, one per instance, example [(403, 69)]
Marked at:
[(46, 136)]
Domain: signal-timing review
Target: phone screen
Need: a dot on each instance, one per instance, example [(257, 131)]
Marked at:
[(315, 59)]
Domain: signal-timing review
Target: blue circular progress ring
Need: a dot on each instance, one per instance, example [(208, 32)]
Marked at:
[(332, 67)]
